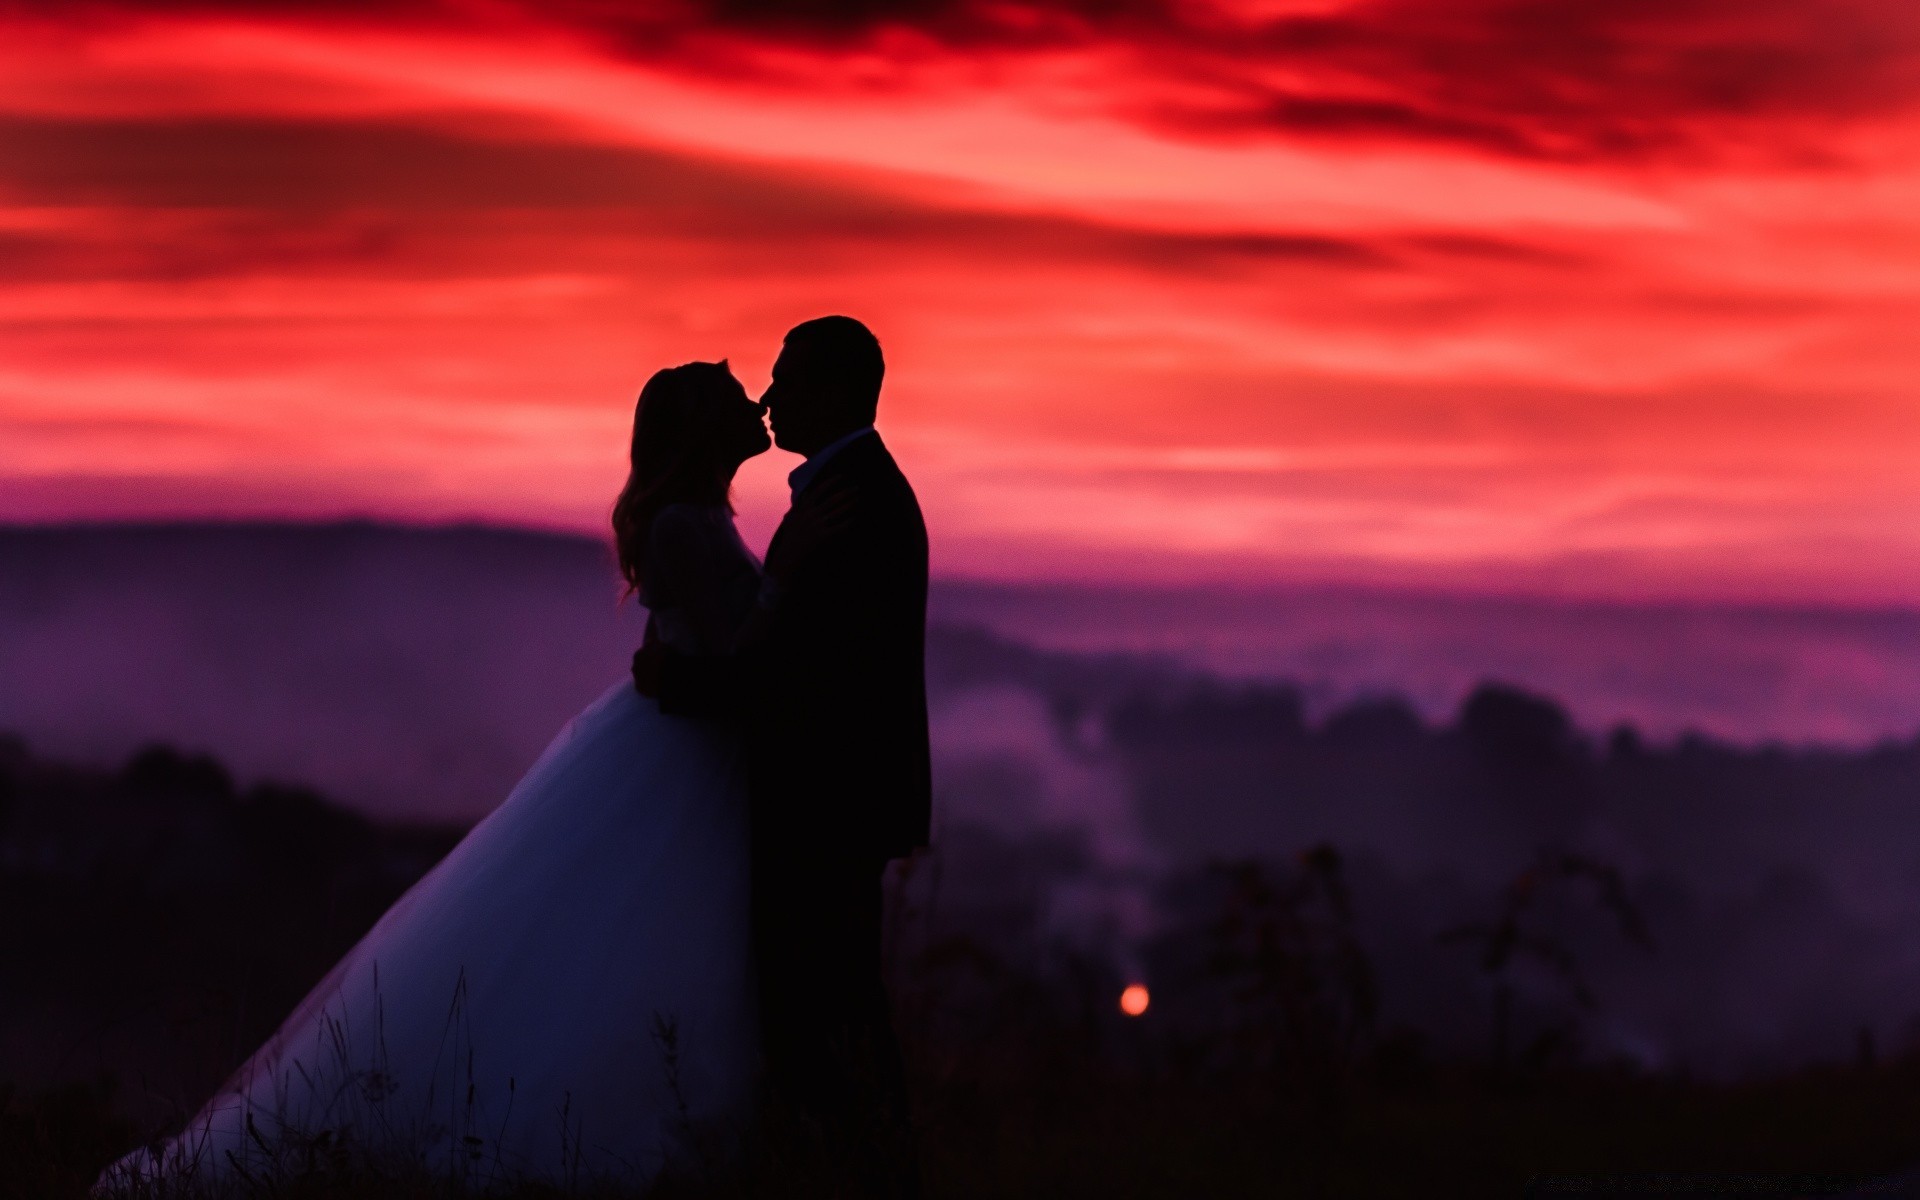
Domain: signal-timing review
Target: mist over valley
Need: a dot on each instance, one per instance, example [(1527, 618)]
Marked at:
[(1727, 901)]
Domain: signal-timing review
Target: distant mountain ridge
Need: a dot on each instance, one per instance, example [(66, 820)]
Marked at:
[(417, 670), (1090, 746)]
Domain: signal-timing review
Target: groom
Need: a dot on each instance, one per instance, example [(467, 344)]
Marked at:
[(831, 689)]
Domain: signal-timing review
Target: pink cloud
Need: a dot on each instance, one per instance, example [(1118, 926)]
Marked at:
[(1389, 288)]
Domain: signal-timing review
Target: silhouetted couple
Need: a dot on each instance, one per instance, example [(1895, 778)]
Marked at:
[(668, 935)]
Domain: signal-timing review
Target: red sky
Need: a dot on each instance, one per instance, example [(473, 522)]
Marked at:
[(1598, 297)]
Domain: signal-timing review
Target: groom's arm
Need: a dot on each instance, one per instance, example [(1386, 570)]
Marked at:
[(722, 686), (693, 685)]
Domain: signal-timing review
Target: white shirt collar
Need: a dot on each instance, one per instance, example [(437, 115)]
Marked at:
[(802, 475)]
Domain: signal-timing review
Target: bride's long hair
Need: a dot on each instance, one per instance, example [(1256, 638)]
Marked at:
[(676, 456)]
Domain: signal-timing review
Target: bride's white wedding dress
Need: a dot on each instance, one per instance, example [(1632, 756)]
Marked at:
[(567, 995)]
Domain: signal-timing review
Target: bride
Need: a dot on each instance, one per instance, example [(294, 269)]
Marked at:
[(567, 996)]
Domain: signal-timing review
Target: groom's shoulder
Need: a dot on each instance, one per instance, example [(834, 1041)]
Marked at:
[(893, 478), (878, 479), (868, 459)]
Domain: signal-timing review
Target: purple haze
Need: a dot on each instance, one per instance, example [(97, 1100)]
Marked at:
[(414, 674)]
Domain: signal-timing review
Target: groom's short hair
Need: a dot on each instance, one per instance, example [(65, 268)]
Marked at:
[(848, 355)]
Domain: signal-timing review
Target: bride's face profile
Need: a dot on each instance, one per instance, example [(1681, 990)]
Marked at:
[(692, 428), (745, 430)]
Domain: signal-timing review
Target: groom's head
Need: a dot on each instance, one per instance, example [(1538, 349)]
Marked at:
[(826, 383)]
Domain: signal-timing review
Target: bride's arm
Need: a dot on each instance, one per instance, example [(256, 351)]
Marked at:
[(694, 673), (737, 684), (688, 566)]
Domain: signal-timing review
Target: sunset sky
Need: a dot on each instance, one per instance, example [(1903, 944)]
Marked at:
[(1588, 297)]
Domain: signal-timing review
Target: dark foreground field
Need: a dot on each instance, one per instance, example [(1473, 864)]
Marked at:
[(1073, 1129), (159, 923)]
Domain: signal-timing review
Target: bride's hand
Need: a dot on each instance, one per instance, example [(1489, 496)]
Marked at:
[(822, 514)]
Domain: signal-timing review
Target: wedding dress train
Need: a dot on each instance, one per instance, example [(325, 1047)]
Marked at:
[(566, 996)]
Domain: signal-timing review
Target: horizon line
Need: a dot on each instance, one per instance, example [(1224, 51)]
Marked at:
[(1250, 587)]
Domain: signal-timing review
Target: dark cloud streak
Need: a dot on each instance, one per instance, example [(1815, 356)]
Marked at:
[(200, 198), (1573, 80)]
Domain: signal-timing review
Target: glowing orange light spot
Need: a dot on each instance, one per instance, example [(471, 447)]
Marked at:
[(1133, 1001)]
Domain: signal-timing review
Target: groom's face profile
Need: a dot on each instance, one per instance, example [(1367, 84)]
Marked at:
[(826, 384), (799, 408)]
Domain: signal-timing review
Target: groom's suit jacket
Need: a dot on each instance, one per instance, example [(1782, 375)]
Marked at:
[(832, 688)]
